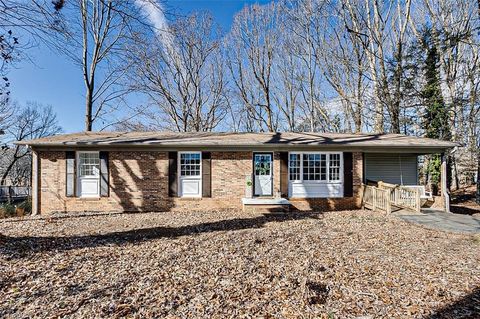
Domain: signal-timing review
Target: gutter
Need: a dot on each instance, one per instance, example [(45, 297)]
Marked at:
[(420, 149)]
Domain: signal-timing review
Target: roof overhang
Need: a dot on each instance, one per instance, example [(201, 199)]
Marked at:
[(273, 141), (279, 147)]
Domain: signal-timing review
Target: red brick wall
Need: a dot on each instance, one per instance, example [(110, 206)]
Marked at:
[(139, 182), (229, 171)]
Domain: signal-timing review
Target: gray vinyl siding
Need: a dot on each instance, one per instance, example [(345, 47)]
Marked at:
[(391, 168)]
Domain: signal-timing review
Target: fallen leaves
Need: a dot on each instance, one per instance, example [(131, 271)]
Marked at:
[(234, 265)]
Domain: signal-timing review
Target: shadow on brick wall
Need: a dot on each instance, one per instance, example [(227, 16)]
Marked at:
[(142, 190)]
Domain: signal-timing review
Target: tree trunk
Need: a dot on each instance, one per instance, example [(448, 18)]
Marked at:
[(88, 110), (477, 197), (456, 186), (379, 125), (7, 171), (395, 117)]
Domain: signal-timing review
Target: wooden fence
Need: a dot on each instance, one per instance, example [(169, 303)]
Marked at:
[(14, 193), (385, 196)]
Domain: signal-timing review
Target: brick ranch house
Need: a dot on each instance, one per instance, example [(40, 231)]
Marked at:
[(158, 171)]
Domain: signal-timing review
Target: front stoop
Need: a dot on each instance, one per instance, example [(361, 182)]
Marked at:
[(264, 205)]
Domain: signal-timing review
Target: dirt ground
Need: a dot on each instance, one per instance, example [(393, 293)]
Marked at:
[(236, 265), (463, 201)]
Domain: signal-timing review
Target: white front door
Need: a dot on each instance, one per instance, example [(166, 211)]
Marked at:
[(262, 165)]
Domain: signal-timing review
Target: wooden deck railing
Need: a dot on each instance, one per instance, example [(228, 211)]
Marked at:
[(409, 198), (386, 195), (376, 198)]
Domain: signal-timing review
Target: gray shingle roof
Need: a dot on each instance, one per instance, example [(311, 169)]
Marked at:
[(234, 140)]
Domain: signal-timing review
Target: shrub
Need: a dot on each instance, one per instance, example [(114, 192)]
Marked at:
[(8, 209), (26, 205)]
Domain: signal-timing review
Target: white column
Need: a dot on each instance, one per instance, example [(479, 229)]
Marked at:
[(443, 176)]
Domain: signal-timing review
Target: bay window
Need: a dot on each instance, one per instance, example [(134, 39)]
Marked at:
[(315, 174), (320, 167)]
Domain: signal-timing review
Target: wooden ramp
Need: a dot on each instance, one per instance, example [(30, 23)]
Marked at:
[(387, 197)]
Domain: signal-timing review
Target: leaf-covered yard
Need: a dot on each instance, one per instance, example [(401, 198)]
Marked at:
[(236, 265)]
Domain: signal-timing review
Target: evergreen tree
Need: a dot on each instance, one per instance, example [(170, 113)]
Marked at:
[(436, 118), (436, 121)]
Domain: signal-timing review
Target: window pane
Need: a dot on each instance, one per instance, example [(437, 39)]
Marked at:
[(262, 165), (190, 164), (314, 167), (294, 167), (89, 164), (334, 167)]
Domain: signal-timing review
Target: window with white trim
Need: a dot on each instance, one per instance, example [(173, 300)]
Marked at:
[(190, 164), (315, 166), (294, 167), (334, 167), (89, 164)]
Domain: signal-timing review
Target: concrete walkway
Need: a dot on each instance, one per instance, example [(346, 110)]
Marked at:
[(437, 219)]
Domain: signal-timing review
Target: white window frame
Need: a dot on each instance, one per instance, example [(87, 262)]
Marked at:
[(79, 178), (340, 167), (327, 181), (193, 177), (299, 167)]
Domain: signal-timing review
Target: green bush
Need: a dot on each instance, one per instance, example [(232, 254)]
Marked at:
[(26, 205), (9, 210)]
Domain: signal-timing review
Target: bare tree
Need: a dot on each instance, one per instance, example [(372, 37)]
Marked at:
[(253, 42), (38, 18), (382, 29), (306, 24), (183, 76), (288, 84), (22, 23), (344, 64), (456, 28), (97, 37), (29, 122)]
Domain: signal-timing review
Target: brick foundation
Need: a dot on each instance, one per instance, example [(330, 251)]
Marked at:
[(139, 182)]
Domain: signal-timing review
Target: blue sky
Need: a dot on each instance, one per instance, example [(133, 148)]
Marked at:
[(51, 79)]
